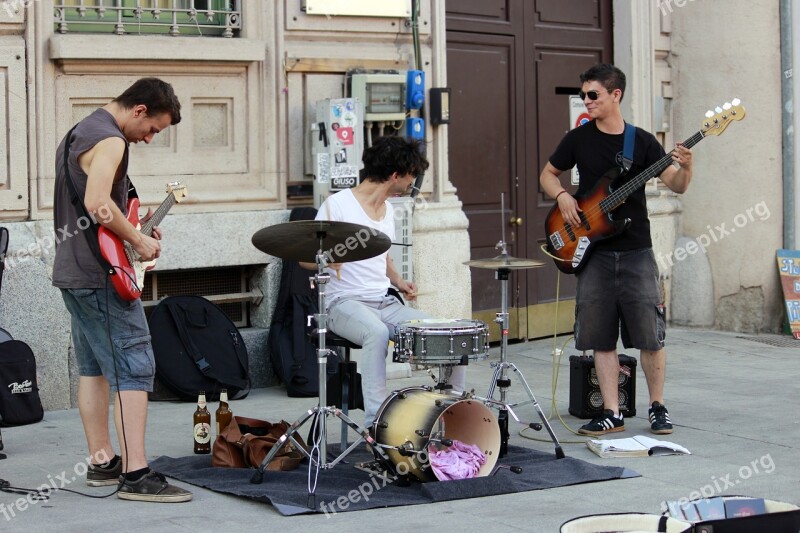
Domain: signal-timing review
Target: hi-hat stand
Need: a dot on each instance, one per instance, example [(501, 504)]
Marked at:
[(501, 380), (502, 265)]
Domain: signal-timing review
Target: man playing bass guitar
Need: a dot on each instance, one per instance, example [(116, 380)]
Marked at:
[(618, 287)]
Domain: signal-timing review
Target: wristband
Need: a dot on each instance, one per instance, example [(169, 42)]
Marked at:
[(559, 194)]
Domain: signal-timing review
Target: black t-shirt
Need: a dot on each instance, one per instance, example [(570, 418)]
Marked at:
[(595, 153)]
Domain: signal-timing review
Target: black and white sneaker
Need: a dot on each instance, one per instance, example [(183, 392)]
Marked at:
[(660, 424), (152, 487), (606, 423), (100, 476)]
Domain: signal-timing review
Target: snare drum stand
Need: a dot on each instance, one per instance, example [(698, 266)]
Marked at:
[(500, 379), (320, 413)]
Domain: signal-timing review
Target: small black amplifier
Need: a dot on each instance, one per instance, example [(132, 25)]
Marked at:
[(585, 400)]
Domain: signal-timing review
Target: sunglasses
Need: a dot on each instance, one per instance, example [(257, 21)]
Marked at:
[(593, 95)]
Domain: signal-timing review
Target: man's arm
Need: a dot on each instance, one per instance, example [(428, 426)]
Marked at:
[(406, 287), (678, 179), (552, 186), (101, 164)]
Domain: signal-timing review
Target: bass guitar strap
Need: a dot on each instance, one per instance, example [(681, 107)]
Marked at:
[(627, 147)]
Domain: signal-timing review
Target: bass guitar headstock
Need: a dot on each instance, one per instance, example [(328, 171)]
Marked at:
[(717, 121)]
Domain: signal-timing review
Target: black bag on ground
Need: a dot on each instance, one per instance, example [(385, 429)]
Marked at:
[(198, 348), (19, 390)]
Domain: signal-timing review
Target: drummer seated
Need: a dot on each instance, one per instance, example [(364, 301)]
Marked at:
[(359, 308)]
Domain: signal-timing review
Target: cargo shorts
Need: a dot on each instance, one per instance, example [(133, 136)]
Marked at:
[(127, 362), (619, 293)]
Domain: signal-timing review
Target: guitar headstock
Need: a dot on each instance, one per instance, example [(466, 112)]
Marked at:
[(716, 121), (178, 190)]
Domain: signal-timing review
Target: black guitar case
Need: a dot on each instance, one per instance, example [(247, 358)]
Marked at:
[(198, 348), (293, 355)]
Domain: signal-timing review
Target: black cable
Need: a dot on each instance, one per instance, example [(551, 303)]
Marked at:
[(35, 494), (116, 380)]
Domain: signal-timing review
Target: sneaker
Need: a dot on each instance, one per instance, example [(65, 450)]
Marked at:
[(97, 476), (152, 487), (660, 424), (606, 423)]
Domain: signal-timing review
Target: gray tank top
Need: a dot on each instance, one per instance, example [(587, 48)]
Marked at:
[(75, 265)]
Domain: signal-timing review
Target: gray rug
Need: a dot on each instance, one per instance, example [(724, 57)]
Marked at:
[(345, 488)]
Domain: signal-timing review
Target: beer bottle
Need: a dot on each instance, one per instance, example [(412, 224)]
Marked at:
[(223, 414), (202, 426)]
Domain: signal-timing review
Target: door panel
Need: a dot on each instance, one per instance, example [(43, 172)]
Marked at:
[(483, 126), (511, 66)]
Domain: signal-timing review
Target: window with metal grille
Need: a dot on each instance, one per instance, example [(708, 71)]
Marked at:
[(173, 17), (227, 287)]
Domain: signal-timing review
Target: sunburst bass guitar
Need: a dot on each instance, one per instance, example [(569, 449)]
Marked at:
[(570, 246), (130, 271)]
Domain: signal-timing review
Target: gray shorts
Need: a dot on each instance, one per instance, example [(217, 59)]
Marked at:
[(618, 292), (131, 364)]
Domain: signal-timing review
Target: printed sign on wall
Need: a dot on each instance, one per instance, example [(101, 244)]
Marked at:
[(789, 269)]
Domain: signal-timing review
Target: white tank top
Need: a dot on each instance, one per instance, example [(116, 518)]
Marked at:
[(365, 279)]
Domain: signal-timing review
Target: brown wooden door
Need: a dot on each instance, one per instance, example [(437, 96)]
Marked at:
[(511, 66), (483, 71)]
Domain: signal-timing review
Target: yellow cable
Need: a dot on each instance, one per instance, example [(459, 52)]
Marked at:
[(556, 367), (548, 254)]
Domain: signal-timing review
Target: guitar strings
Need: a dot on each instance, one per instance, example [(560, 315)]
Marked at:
[(147, 229)]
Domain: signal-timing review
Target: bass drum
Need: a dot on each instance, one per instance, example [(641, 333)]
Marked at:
[(409, 418)]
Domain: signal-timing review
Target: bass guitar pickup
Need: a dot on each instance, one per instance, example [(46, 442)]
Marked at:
[(556, 241)]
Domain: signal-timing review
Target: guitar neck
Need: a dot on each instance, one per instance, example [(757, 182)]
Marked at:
[(159, 214), (619, 195)]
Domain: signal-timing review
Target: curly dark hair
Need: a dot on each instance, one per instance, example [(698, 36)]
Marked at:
[(608, 75), (156, 94), (391, 154)]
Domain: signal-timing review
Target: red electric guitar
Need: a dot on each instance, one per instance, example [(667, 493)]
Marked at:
[(570, 246), (129, 278)]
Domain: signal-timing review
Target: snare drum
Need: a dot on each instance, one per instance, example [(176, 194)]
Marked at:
[(439, 341), (412, 419)]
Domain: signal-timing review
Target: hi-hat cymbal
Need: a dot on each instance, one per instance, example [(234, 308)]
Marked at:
[(340, 242), (504, 261)]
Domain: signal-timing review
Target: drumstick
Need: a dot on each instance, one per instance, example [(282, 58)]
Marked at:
[(422, 293)]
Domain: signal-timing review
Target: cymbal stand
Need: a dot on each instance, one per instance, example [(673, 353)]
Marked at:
[(499, 378), (320, 413)]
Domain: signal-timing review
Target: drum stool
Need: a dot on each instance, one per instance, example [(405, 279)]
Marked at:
[(347, 371)]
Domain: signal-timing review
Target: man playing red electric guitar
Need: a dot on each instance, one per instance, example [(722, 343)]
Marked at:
[(110, 335), (618, 287)]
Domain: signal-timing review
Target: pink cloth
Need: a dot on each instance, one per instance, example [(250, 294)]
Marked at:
[(459, 461)]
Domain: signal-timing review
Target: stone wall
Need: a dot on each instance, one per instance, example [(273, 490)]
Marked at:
[(244, 135)]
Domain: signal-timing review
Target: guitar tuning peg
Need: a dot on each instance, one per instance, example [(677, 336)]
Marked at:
[(726, 106), (718, 109), (709, 114), (736, 101)]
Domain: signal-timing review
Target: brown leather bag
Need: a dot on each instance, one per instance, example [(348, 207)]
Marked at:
[(245, 442)]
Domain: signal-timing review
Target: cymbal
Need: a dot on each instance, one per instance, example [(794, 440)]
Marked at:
[(340, 242), (504, 261)]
